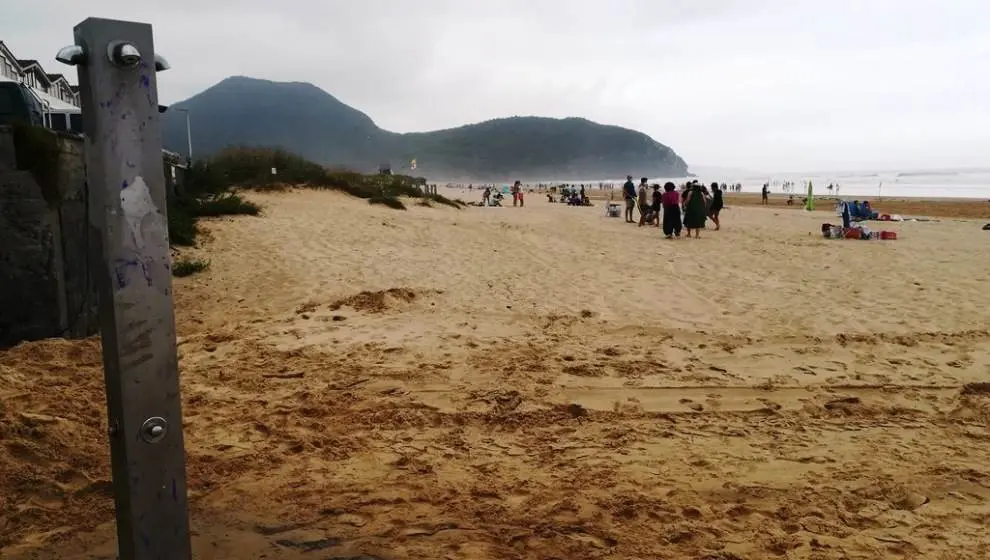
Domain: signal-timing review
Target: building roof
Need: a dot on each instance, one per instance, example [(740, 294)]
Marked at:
[(55, 104), (32, 65), (6, 49)]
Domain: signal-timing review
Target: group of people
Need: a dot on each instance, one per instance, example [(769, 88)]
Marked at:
[(671, 210), (492, 196), (570, 195)]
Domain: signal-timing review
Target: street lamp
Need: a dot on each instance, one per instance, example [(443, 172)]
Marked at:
[(188, 132)]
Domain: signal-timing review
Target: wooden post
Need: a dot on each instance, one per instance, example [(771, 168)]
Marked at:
[(132, 262)]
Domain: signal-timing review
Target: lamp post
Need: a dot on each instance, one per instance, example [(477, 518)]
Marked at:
[(188, 133)]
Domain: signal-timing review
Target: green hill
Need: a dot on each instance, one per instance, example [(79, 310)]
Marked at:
[(306, 120)]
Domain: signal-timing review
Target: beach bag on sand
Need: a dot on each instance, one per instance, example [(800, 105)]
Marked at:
[(888, 235), (853, 233), (986, 227)]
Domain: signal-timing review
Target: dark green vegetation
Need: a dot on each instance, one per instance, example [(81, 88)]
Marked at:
[(187, 267), (252, 168), (204, 194), (304, 119), (210, 186)]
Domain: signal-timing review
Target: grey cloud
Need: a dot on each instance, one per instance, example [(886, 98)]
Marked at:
[(764, 84)]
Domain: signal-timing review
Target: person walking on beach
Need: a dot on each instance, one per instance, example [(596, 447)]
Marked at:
[(671, 202), (656, 205), (642, 200), (766, 194), (716, 206), (695, 210), (629, 193), (519, 194)]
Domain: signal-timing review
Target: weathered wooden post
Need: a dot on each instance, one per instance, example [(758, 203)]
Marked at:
[(117, 64)]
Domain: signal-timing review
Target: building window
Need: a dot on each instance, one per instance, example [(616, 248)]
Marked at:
[(58, 121), (8, 69)]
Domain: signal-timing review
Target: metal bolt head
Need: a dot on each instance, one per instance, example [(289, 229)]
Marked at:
[(154, 429)]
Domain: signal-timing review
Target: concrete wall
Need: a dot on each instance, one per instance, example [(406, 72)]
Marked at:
[(45, 286)]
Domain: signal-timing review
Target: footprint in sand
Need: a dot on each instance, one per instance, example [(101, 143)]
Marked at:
[(692, 405)]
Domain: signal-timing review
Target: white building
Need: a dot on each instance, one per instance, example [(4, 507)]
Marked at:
[(58, 98)]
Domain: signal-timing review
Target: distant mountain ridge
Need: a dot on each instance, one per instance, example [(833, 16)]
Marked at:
[(302, 118)]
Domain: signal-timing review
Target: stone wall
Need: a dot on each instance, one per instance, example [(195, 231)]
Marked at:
[(46, 289), (46, 285)]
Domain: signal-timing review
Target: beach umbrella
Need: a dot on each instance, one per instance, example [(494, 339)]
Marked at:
[(810, 205)]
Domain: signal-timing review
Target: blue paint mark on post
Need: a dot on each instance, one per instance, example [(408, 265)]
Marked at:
[(122, 266), (145, 81), (123, 184)]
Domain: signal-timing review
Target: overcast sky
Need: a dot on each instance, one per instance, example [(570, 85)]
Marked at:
[(770, 85)]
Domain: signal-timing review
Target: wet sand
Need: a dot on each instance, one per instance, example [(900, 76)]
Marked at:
[(933, 208), (541, 383)]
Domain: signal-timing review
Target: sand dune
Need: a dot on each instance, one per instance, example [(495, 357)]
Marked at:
[(542, 383)]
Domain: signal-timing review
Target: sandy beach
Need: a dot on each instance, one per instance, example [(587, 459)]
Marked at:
[(904, 206), (933, 207), (545, 382)]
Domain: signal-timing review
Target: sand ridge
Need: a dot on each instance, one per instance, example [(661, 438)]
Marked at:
[(544, 383)]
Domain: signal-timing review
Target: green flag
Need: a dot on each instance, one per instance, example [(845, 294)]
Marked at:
[(810, 205)]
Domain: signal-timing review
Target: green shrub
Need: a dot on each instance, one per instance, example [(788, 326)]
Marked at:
[(204, 178), (187, 267), (227, 204), (252, 167), (206, 191), (441, 199), (390, 201), (182, 229)]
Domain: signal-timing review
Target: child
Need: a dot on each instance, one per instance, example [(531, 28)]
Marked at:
[(657, 205)]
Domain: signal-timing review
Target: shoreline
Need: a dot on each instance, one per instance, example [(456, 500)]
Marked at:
[(963, 208), (936, 207)]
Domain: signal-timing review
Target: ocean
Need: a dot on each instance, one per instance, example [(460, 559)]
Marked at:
[(920, 184)]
